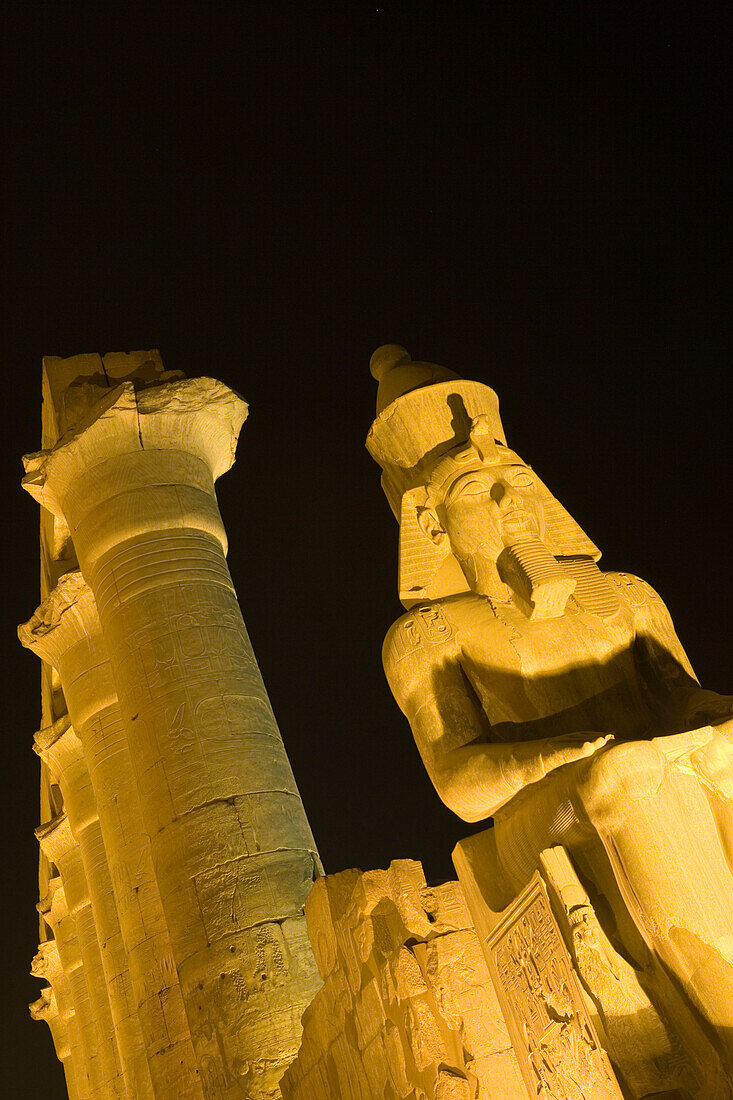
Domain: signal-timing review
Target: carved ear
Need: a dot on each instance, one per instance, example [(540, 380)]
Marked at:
[(430, 525), (420, 554)]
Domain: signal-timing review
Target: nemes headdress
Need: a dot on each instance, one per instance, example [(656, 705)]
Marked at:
[(432, 425)]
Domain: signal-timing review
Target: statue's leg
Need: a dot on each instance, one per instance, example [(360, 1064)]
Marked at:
[(662, 840), (722, 809)]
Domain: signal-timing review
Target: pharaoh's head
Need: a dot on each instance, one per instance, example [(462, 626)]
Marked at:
[(473, 515)]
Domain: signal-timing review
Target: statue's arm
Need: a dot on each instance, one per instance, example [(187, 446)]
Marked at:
[(665, 664), (473, 777)]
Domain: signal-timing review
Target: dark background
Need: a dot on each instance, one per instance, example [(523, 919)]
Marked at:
[(530, 194)]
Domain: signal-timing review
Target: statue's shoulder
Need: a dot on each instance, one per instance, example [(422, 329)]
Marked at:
[(635, 593), (425, 635)]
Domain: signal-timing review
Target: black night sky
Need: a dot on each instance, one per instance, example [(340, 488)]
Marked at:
[(531, 194)]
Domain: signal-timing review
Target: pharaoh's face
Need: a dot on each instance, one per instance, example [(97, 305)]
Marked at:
[(482, 511), (495, 503)]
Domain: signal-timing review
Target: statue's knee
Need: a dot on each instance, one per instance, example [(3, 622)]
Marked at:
[(620, 776)]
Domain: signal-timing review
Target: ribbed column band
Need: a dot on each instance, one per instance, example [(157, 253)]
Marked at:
[(233, 854)]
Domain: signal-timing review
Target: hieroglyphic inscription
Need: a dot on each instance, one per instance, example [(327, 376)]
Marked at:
[(558, 1049), (425, 625)]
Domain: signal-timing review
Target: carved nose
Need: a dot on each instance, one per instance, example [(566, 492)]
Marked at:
[(503, 495)]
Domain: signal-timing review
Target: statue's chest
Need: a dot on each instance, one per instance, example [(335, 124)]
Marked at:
[(572, 670)]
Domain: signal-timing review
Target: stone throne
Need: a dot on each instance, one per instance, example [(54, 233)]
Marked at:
[(558, 700)]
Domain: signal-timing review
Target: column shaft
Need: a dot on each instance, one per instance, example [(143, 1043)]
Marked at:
[(66, 632), (90, 1076), (232, 851), (45, 1008), (47, 964), (61, 749), (61, 848), (233, 854)]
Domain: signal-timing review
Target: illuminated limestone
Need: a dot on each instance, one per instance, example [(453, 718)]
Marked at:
[(95, 1051), (55, 1005), (518, 662), (61, 749), (407, 1007), (65, 631), (61, 848), (231, 849)]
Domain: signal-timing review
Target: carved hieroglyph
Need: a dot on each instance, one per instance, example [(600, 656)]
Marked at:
[(543, 1002), (171, 673), (552, 696)]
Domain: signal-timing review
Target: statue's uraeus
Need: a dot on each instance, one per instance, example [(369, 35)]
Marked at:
[(557, 700)]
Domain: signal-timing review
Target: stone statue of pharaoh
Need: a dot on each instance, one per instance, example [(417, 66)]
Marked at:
[(552, 697)]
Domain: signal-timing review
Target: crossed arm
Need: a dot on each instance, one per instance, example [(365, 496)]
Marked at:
[(473, 776)]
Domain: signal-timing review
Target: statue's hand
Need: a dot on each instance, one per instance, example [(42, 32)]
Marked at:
[(707, 708), (714, 762), (557, 751)]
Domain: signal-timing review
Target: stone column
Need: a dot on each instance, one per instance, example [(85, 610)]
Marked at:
[(60, 847), (233, 855), (60, 748), (66, 633), (46, 1009), (47, 964), (54, 910)]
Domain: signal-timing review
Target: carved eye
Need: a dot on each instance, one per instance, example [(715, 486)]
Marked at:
[(522, 480)]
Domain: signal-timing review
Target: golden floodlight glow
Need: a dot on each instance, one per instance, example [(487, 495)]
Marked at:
[(186, 925)]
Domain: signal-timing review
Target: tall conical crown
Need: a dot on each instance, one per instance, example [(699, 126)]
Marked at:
[(423, 411)]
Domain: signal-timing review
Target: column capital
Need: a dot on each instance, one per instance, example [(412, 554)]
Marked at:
[(66, 617), (46, 1009), (195, 416), (53, 906), (56, 839), (45, 1006), (46, 963), (59, 747), (45, 904)]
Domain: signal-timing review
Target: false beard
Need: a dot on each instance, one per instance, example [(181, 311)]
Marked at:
[(539, 584)]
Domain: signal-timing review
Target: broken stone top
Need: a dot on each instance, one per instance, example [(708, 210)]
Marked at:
[(199, 417), (46, 963), (45, 1007), (67, 616)]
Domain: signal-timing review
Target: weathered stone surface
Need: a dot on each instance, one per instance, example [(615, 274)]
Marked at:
[(132, 481), (407, 1007), (92, 1057), (555, 698), (96, 777)]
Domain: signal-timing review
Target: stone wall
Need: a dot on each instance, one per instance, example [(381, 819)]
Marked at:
[(407, 1007)]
